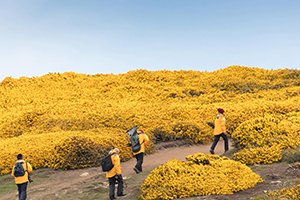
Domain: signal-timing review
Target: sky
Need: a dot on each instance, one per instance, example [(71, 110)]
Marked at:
[(39, 37)]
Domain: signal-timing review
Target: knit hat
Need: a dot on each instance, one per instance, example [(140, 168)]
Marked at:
[(220, 110), (140, 130)]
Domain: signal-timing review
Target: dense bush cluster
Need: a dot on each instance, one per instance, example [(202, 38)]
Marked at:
[(61, 150), (167, 105), (262, 139), (199, 175)]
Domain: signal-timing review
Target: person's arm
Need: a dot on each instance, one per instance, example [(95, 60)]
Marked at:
[(223, 127), (117, 165), (29, 168), (146, 140), (12, 172)]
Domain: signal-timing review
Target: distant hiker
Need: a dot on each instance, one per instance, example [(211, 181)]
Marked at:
[(21, 172), (219, 131), (114, 175), (144, 141)]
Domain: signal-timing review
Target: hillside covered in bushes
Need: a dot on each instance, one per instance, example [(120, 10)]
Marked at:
[(66, 120)]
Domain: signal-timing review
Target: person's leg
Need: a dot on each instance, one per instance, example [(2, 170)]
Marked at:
[(19, 190), (120, 186), (140, 161), (112, 182), (23, 191), (135, 167), (215, 142), (137, 160), (225, 141)]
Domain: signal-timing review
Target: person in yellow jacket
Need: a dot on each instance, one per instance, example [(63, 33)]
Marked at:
[(144, 141), (21, 175), (114, 175), (219, 131)]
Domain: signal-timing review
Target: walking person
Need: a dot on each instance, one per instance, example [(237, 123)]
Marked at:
[(219, 131), (115, 175), (144, 141), (21, 172)]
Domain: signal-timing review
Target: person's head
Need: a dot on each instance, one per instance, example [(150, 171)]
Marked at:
[(117, 150), (20, 157), (220, 110)]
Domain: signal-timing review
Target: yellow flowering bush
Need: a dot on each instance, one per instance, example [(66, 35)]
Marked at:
[(292, 193), (262, 139), (259, 155), (167, 105), (256, 132), (67, 150), (77, 152), (200, 175)]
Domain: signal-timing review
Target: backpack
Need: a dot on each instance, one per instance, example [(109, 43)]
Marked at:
[(134, 139), (106, 163), (19, 170)]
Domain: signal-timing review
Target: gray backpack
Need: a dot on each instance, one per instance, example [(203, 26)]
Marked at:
[(134, 139)]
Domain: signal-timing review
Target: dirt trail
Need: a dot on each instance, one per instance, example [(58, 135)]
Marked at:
[(57, 183), (169, 151)]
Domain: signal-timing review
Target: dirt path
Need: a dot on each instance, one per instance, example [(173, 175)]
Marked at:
[(169, 151), (91, 183), (50, 184)]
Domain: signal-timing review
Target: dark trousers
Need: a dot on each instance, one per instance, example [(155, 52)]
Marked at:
[(22, 189), (216, 140), (112, 183), (139, 161)]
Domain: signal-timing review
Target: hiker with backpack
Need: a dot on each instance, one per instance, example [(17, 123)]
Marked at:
[(21, 172), (114, 174), (219, 131), (144, 141)]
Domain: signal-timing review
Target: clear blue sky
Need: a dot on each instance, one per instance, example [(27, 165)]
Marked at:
[(115, 36)]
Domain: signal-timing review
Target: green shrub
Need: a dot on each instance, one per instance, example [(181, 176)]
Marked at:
[(291, 155)]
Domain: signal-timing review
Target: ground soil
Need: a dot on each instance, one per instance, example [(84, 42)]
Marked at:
[(90, 183)]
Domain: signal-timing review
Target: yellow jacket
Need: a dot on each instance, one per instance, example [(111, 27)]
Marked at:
[(27, 168), (117, 167), (220, 125), (144, 141)]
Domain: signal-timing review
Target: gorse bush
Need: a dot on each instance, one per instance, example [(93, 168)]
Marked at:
[(261, 107), (292, 193), (259, 155), (65, 150), (199, 175), (76, 152), (262, 139)]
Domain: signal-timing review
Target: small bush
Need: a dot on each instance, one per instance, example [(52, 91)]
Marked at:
[(259, 155), (76, 152), (200, 175), (292, 193), (291, 155)]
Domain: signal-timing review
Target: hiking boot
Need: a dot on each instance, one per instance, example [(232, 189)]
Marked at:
[(136, 170), (121, 195), (212, 151)]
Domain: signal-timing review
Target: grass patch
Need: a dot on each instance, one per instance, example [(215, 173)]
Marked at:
[(7, 184), (83, 193), (8, 187), (135, 183)]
